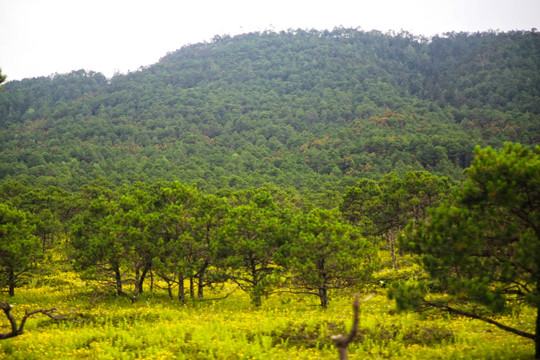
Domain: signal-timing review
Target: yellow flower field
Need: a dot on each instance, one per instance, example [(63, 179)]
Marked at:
[(285, 327)]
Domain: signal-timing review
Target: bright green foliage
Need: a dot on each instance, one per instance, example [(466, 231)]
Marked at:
[(98, 240), (421, 190), (176, 246), (485, 243), (383, 208), (135, 220), (181, 234), (19, 248), (326, 253), (51, 209), (189, 226), (255, 231), (208, 231), (311, 110), (387, 205), (358, 202)]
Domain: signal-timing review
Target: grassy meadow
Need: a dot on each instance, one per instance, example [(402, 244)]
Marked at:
[(285, 327)]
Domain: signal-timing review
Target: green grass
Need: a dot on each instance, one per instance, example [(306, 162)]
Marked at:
[(285, 327)]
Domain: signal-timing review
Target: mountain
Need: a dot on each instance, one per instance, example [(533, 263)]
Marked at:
[(312, 110)]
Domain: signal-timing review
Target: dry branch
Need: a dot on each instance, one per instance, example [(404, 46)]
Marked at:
[(342, 341), (16, 331)]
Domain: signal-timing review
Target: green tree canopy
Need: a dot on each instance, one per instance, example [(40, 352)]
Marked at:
[(485, 243), (311, 110), (19, 248), (383, 208), (326, 253), (256, 228), (98, 240)]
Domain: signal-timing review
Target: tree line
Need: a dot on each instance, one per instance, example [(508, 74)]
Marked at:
[(262, 239), (478, 241)]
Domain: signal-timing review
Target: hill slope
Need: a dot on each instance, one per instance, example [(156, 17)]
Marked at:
[(305, 109)]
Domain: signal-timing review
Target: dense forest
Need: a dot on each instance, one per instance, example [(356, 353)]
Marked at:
[(296, 167), (310, 110)]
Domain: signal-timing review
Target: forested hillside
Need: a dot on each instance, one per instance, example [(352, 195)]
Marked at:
[(313, 110), (298, 168)]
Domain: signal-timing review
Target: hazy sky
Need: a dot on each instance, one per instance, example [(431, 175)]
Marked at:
[(42, 37)]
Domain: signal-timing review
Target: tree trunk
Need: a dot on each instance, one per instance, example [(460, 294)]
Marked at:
[(141, 279), (343, 353), (191, 287), (200, 280), (181, 290), (323, 295), (392, 242), (16, 331), (118, 280), (11, 282), (137, 276), (255, 292), (200, 286), (256, 299)]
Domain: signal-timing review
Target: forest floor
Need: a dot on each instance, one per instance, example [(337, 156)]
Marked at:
[(285, 327)]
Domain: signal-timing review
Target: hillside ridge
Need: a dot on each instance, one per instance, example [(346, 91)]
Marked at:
[(312, 110)]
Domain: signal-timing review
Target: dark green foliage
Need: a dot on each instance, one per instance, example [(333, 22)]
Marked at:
[(40, 219), (484, 243), (480, 69), (382, 209), (305, 109), (318, 335), (51, 209), (98, 239), (189, 230), (427, 335), (307, 335), (388, 204), (257, 119), (19, 248)]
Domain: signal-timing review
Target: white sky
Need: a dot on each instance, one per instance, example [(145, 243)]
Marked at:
[(42, 37)]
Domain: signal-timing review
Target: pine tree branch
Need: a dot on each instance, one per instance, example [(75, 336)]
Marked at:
[(478, 317)]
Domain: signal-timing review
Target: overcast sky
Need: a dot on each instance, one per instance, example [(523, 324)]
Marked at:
[(42, 37)]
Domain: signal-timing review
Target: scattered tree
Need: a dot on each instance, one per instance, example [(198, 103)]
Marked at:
[(19, 248), (485, 243), (255, 231), (97, 241), (383, 208), (325, 253)]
